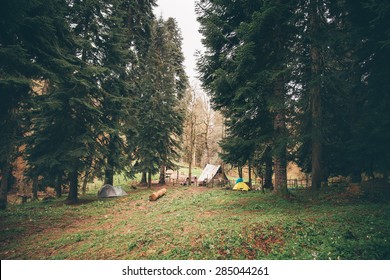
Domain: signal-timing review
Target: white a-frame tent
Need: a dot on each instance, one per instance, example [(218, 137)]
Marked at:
[(212, 172)]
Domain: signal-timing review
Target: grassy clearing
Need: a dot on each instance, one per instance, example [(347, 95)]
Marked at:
[(198, 223), (123, 180)]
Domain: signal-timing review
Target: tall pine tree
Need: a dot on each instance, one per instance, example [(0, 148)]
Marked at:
[(246, 69), (161, 116), (34, 45)]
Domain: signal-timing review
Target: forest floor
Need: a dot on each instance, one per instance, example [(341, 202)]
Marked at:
[(201, 223)]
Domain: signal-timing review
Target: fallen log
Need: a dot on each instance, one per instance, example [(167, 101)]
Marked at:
[(157, 195)]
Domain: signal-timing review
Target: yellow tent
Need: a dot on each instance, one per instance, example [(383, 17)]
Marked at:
[(241, 186)]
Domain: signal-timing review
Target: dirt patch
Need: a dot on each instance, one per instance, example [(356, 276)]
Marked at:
[(261, 238)]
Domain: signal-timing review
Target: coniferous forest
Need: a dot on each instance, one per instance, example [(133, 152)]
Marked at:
[(88, 87), (304, 81), (93, 90)]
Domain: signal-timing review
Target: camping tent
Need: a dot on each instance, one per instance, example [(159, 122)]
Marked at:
[(212, 172), (110, 191), (241, 186)]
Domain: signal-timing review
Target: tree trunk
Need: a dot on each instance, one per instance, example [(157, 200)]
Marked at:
[(315, 104), (162, 174), (109, 176), (280, 155), (73, 187), (57, 186), (4, 185), (239, 168), (149, 179), (250, 173), (189, 172), (35, 188), (316, 157), (85, 182), (87, 174), (143, 178), (109, 171), (280, 174), (192, 148), (206, 138), (268, 172)]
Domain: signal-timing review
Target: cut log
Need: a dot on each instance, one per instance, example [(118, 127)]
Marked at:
[(157, 195)]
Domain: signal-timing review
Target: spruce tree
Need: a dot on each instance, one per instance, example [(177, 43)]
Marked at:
[(125, 45), (320, 64), (369, 118), (89, 110), (67, 125), (245, 70), (161, 117), (333, 95), (311, 69), (34, 45)]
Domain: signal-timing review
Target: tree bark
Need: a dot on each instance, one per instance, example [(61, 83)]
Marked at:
[(280, 147), (85, 182), (250, 173), (109, 175), (206, 137), (315, 104), (149, 179), (162, 174), (87, 174), (4, 186), (189, 172), (280, 174), (268, 172), (192, 148), (143, 178), (239, 168), (109, 171), (73, 187), (57, 186)]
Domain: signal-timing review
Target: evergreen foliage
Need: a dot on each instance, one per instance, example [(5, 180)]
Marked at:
[(244, 69), (34, 45), (97, 71), (307, 77), (160, 115), (91, 87)]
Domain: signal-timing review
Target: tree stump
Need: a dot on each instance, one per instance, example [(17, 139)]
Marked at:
[(156, 195)]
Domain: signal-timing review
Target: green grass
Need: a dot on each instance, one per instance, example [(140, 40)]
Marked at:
[(198, 223)]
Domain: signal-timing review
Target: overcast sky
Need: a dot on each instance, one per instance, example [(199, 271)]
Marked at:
[(184, 12)]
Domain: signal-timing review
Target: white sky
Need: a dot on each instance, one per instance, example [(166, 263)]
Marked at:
[(184, 13)]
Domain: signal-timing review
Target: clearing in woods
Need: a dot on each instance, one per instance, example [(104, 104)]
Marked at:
[(199, 223)]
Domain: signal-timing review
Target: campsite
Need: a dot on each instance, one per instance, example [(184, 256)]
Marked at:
[(194, 130), (200, 223)]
